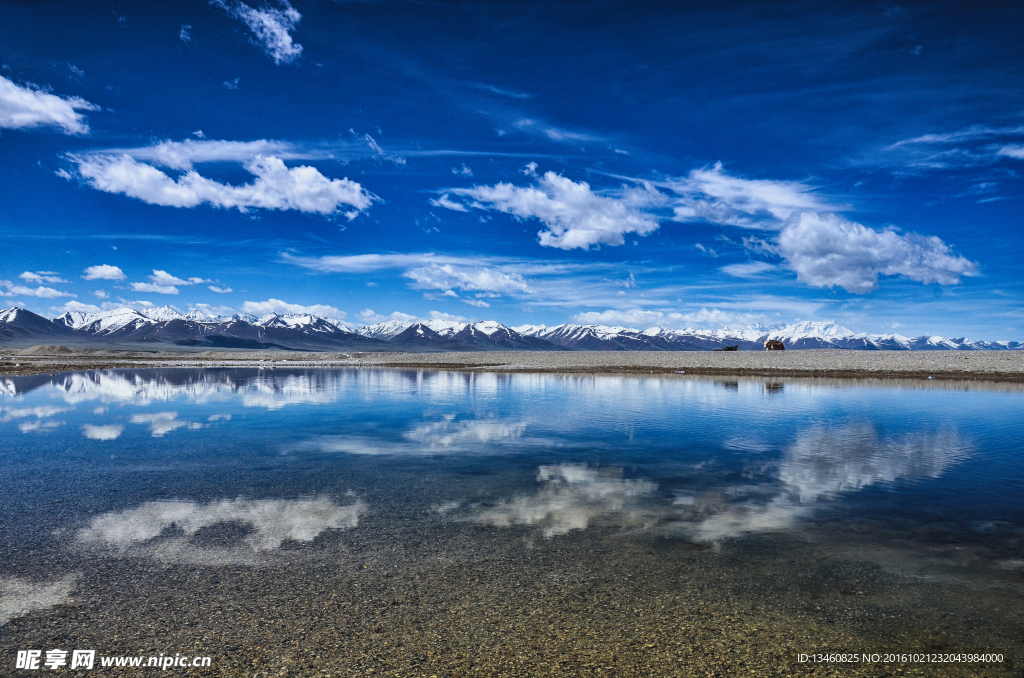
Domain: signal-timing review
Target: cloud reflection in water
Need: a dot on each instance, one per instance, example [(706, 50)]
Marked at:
[(821, 464), (271, 522), (572, 497), (19, 597)]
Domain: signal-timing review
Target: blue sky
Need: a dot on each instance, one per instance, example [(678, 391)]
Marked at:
[(675, 164)]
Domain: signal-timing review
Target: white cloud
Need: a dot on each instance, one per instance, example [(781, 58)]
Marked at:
[(104, 272), (40, 292), (42, 277), (480, 303), (827, 250), (481, 279), (752, 269), (78, 307), (220, 290), (438, 315), (575, 216), (164, 278), (1012, 151), (463, 171), (153, 288), (270, 26), (371, 317), (365, 263), (185, 34), (277, 187), (181, 155), (105, 432), (283, 308), (715, 196), (30, 106), (447, 203)]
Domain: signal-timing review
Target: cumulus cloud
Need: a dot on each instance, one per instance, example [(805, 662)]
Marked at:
[(271, 27), (575, 216), (220, 290), (259, 308), (77, 306), (31, 106), (828, 250), (41, 277), (277, 187), (40, 292), (103, 272), (105, 432), (154, 288)]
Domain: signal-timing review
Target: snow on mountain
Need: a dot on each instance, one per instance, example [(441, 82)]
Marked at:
[(530, 330), (202, 317), (385, 330), (160, 314), (313, 332), (9, 315)]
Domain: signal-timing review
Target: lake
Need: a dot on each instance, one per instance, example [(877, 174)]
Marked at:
[(386, 522)]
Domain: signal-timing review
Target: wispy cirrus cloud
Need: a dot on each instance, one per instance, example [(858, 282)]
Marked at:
[(271, 27), (32, 106), (430, 271), (713, 195)]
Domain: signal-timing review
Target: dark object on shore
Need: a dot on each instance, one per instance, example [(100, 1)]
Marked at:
[(773, 345), (729, 348)]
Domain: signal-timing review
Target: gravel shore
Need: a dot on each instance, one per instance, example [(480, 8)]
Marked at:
[(971, 365)]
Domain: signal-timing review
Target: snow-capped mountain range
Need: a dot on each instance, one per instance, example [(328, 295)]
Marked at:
[(165, 328)]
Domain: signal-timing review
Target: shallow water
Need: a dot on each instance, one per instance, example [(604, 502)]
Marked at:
[(438, 523)]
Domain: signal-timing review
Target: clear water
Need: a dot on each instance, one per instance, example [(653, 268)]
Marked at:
[(868, 518)]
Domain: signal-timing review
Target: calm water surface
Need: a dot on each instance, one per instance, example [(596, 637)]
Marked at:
[(346, 522)]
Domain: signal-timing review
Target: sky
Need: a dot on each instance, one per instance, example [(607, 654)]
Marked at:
[(679, 164)]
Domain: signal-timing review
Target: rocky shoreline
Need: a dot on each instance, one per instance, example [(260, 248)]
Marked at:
[(833, 363)]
